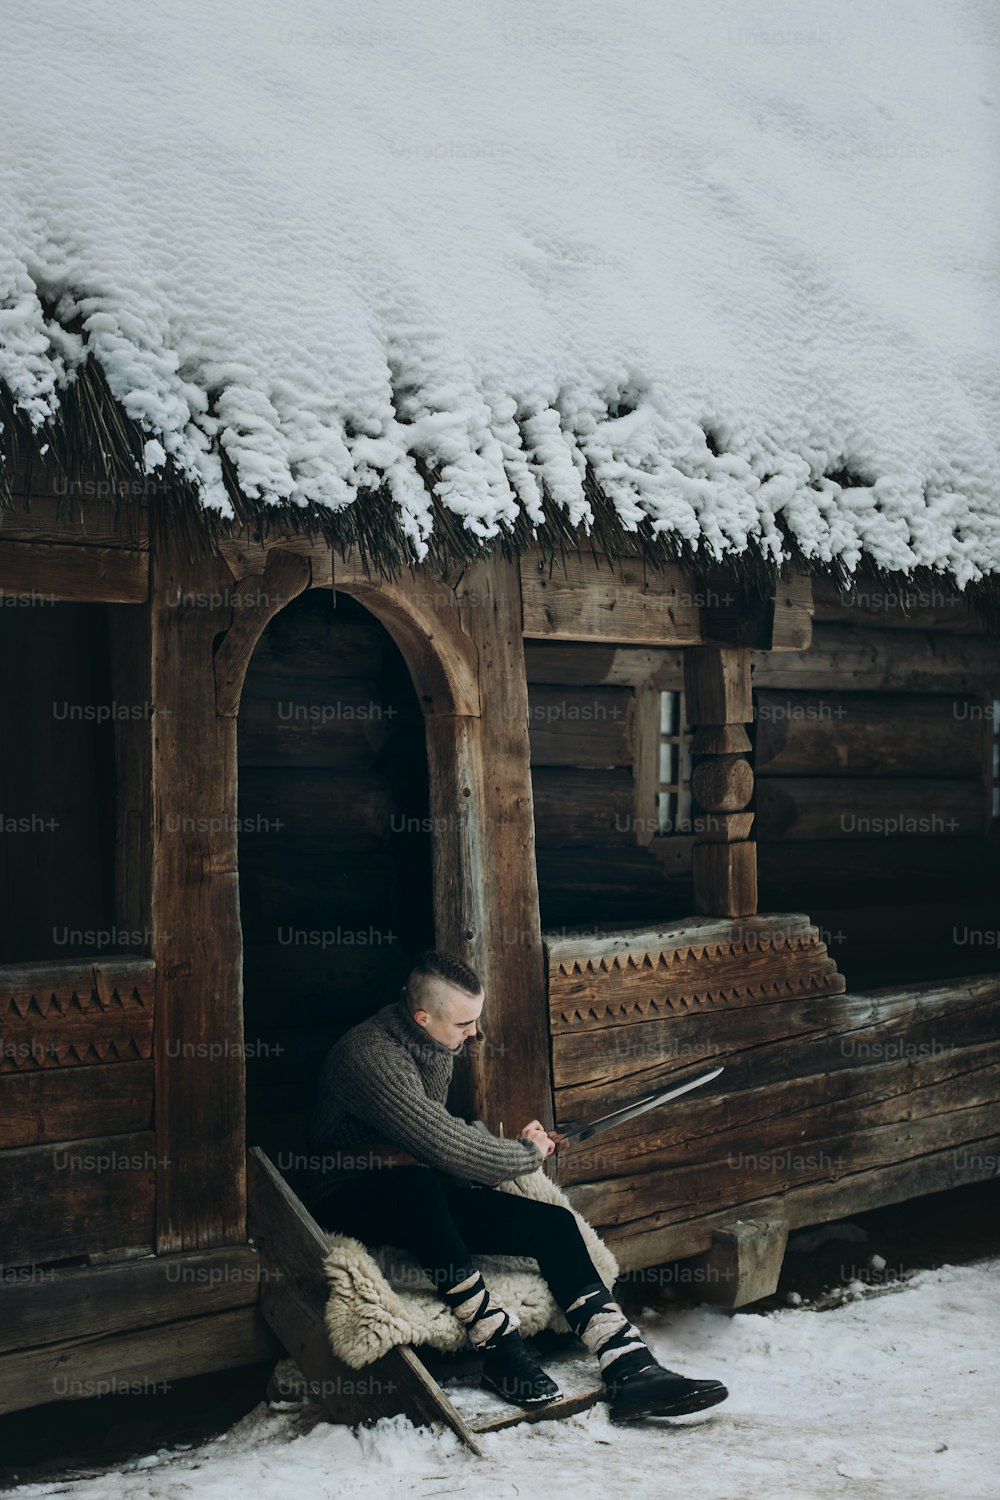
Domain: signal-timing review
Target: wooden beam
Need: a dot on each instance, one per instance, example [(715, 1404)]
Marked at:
[(51, 571), (146, 1361), (744, 1263), (593, 665), (870, 734), (866, 658), (197, 941), (508, 956), (60, 1304), (582, 598), (830, 807), (77, 1198), (67, 1013), (69, 1104), (63, 517)]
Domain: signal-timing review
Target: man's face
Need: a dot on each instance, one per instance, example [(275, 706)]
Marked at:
[(454, 1017)]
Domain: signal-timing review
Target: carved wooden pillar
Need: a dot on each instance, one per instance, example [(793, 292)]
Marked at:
[(719, 705)]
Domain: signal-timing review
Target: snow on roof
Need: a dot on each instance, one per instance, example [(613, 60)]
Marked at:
[(712, 254)]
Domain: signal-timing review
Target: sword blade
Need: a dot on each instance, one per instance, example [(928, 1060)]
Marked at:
[(631, 1111)]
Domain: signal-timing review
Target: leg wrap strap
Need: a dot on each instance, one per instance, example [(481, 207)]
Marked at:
[(605, 1330), (486, 1319)]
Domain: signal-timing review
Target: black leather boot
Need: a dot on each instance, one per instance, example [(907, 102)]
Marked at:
[(656, 1392), (510, 1371)]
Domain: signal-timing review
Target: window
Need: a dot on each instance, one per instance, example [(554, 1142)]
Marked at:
[(673, 798)]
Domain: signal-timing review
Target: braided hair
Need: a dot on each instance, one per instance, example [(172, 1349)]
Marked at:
[(433, 963)]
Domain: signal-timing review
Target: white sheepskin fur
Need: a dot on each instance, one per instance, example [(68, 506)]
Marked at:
[(381, 1299)]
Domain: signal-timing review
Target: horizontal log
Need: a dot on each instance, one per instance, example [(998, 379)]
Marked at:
[(68, 1013), (144, 1362), (51, 571), (864, 658), (582, 807), (312, 726), (895, 606), (69, 1104), (926, 938), (601, 982), (583, 599), (648, 1242), (852, 870), (317, 892), (764, 1049), (561, 663), (284, 807), (301, 985), (722, 783), (77, 1198), (57, 1304), (900, 1129), (826, 807), (581, 727), (864, 734), (323, 637), (66, 517), (594, 887)]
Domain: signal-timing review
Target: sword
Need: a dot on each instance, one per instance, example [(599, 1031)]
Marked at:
[(578, 1132)]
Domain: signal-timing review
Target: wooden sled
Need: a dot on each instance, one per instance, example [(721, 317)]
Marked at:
[(293, 1294)]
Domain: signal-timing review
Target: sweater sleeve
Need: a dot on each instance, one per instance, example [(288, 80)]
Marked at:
[(395, 1104)]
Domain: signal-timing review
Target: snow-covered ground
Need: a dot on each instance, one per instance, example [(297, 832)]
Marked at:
[(888, 1396)]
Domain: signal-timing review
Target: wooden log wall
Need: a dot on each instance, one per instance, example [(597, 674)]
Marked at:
[(334, 846), (871, 807), (873, 761), (77, 1148), (830, 1102), (592, 831)]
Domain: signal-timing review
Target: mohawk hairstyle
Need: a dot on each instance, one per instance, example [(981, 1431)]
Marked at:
[(445, 966)]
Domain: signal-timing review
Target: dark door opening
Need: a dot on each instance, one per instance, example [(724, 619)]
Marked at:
[(334, 847)]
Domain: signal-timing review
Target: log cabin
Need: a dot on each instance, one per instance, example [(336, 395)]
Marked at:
[(679, 804)]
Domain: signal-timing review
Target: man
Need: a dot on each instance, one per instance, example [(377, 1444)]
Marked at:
[(386, 1082)]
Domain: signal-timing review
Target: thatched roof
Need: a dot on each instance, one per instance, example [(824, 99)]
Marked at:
[(666, 280)]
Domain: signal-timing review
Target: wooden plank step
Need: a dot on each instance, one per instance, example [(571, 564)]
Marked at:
[(293, 1300)]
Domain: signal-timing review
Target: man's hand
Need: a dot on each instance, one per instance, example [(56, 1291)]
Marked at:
[(535, 1131)]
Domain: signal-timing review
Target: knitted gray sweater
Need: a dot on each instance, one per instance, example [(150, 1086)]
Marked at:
[(386, 1080)]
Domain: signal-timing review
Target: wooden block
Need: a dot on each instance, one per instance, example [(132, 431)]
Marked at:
[(722, 828), (792, 612), (717, 685), (720, 739), (725, 879), (698, 963), (722, 783), (744, 1263), (584, 599)]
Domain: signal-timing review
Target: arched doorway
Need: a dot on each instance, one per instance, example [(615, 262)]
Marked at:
[(334, 846)]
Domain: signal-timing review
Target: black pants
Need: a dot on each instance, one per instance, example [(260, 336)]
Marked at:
[(443, 1224)]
